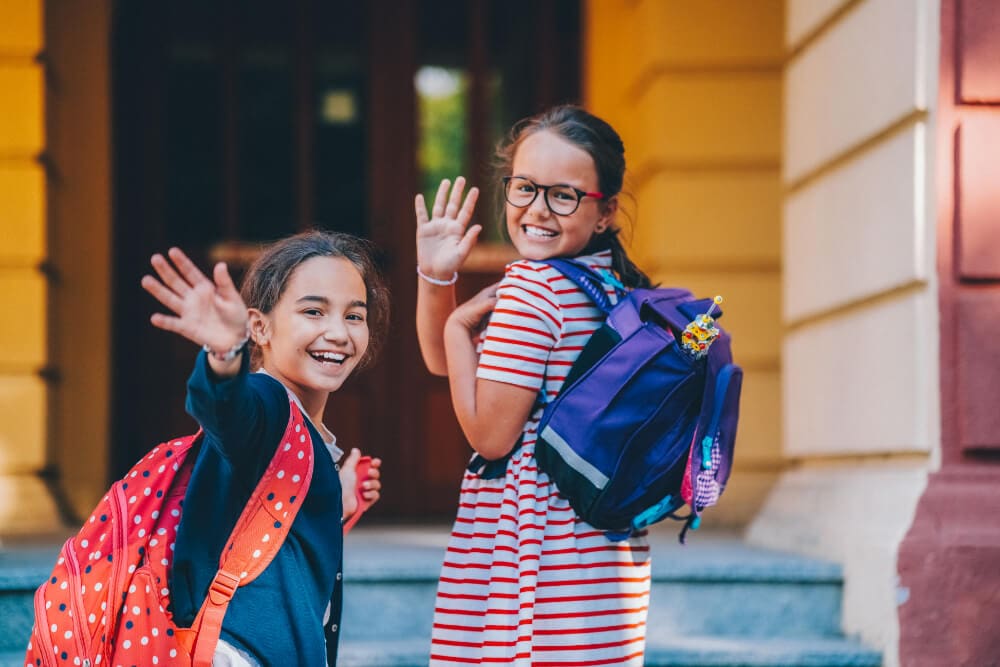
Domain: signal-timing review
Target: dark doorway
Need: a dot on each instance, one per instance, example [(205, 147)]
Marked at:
[(236, 123)]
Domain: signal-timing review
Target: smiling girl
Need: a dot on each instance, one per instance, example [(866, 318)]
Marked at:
[(526, 581)]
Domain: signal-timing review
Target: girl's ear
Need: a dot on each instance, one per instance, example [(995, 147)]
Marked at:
[(608, 213), (260, 327)]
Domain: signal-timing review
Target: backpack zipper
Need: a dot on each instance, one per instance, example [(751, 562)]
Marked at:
[(77, 605), (712, 434)]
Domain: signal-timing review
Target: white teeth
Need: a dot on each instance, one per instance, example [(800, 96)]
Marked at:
[(330, 356), (538, 232)]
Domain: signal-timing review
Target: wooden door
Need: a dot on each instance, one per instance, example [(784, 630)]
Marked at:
[(236, 123)]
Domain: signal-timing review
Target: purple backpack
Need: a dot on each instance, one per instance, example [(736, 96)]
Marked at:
[(640, 427)]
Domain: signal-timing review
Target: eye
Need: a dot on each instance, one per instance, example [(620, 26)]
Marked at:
[(356, 317), (313, 312), (562, 194)]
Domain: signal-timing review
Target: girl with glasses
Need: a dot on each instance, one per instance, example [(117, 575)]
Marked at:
[(525, 581)]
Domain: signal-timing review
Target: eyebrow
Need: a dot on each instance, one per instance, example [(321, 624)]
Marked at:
[(326, 302)]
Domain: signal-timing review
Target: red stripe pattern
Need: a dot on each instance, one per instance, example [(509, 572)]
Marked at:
[(525, 581)]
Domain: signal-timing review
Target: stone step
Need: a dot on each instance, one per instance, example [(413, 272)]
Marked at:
[(714, 602), (689, 652), (715, 586), (675, 652)]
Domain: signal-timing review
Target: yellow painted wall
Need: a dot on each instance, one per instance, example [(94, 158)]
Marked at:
[(79, 145), (24, 395), (695, 91)]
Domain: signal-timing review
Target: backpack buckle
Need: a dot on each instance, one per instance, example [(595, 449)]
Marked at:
[(223, 587)]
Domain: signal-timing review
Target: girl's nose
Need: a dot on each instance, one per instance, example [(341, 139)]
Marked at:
[(336, 330), (540, 207)]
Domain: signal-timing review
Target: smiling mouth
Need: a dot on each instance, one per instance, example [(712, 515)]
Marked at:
[(538, 232), (329, 357)]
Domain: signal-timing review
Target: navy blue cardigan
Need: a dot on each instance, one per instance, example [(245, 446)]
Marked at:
[(278, 617)]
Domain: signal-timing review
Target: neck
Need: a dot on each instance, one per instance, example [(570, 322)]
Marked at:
[(312, 402)]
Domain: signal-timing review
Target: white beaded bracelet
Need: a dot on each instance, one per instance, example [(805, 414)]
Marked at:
[(435, 281), (231, 353)]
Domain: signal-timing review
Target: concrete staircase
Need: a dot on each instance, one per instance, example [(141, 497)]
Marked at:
[(715, 603)]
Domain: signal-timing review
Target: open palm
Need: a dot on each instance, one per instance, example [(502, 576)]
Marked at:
[(207, 312), (443, 242)]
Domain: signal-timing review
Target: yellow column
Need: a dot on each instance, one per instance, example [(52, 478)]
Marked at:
[(694, 88), (25, 505)]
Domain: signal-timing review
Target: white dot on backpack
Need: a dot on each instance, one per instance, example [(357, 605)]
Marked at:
[(302, 438), (155, 632), (175, 512), (134, 473), (161, 468), (156, 514), (256, 553), (296, 478), (132, 500), (142, 532), (281, 474), (147, 491), (164, 592), (68, 634), (76, 661), (98, 586), (84, 543), (83, 591), (173, 653), (243, 576), (48, 604), (277, 505), (131, 589), (131, 569), (92, 618), (161, 531), (135, 610), (138, 519), (301, 454), (126, 644), (266, 538), (288, 446), (156, 660), (97, 660), (63, 586), (298, 427), (144, 641), (54, 627)]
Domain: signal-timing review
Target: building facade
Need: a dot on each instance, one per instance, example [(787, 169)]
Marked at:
[(826, 165)]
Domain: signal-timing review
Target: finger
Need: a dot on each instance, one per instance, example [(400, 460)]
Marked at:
[(440, 197), (223, 281), (351, 462), (187, 268), (456, 197), (168, 323), (469, 240), (162, 294), (421, 210), (468, 207), (167, 274), (371, 484)]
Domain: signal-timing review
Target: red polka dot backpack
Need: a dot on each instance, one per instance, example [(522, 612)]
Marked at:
[(106, 601)]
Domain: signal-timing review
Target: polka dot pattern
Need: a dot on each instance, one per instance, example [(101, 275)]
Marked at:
[(106, 601)]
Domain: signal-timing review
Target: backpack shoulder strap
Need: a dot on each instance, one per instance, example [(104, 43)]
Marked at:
[(586, 279), (259, 532)]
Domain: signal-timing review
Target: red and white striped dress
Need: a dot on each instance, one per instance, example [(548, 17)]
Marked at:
[(525, 581)]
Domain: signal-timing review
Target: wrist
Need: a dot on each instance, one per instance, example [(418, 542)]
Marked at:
[(228, 354), (433, 280)]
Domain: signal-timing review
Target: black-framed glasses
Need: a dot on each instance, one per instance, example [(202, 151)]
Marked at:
[(561, 199)]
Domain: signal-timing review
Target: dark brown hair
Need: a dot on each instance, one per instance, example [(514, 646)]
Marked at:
[(605, 147), (268, 276)]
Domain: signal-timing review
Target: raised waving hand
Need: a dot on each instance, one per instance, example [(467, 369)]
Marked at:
[(207, 312), (443, 242)]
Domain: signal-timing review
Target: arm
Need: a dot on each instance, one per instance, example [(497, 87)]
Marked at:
[(443, 243), (492, 414)]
